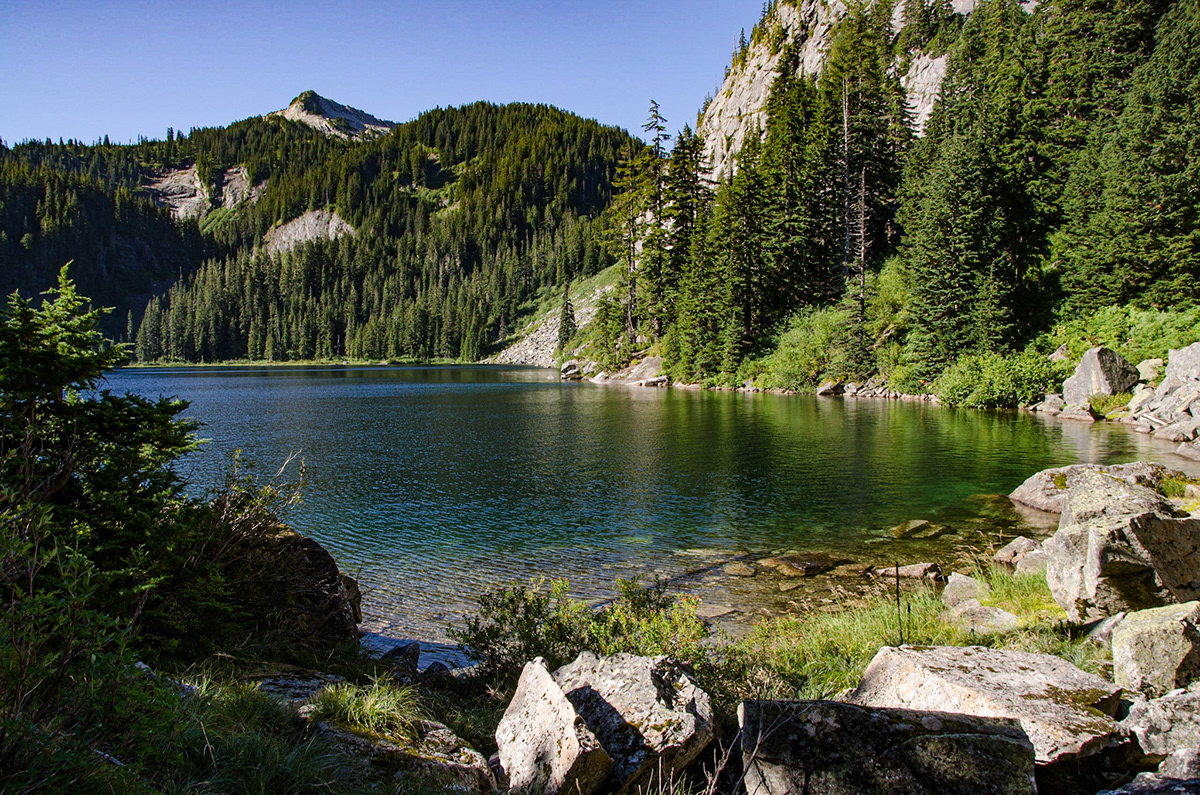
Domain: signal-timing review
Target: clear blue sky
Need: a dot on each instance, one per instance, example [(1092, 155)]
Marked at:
[(123, 69)]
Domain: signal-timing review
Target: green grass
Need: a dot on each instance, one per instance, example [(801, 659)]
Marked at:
[(381, 707), (820, 654)]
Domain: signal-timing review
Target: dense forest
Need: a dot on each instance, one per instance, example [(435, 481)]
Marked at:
[(1056, 180), (460, 217)]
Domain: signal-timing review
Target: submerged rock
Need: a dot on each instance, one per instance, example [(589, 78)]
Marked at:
[(831, 747)]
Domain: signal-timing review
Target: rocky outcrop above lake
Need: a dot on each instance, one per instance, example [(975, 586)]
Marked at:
[(332, 118)]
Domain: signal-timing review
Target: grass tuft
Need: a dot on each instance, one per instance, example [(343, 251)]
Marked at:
[(379, 708)]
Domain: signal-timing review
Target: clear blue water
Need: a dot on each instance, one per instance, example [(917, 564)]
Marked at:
[(430, 484)]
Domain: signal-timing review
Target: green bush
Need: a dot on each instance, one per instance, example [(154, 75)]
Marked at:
[(992, 380), (1136, 334), (517, 623), (807, 351)]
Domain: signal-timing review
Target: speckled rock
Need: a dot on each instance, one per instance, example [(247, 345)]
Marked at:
[(646, 712), (1157, 651), (1184, 764), (831, 748), (545, 746), (1164, 725), (1066, 712)]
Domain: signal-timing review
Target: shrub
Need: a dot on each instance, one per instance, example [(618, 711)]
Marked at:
[(1136, 334), (992, 380), (807, 350), (517, 623)]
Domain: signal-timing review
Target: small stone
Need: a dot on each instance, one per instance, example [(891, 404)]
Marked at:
[(1033, 563), (915, 571), (1150, 369), (1012, 552), (960, 587), (739, 569)]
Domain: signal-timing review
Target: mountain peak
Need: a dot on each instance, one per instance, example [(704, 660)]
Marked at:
[(332, 118)]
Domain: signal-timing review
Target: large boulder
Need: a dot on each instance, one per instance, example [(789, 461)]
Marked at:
[(545, 746), (1101, 371), (1047, 490), (1119, 547), (1094, 572), (1067, 713), (1165, 725), (1184, 364), (1156, 651), (1011, 553), (612, 723), (647, 712), (828, 747)]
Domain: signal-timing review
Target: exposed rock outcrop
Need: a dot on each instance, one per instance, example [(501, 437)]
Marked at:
[(1066, 712), (312, 225), (332, 118), (830, 747), (186, 196)]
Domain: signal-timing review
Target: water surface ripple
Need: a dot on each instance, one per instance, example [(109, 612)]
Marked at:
[(430, 484)]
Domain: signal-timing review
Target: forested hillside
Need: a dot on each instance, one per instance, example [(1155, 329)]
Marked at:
[(459, 217), (1056, 179)]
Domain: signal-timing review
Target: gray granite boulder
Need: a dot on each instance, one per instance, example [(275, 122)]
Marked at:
[(1120, 547), (1156, 651), (915, 571), (1150, 369), (1164, 725), (545, 746), (1101, 371), (1047, 490), (831, 748), (831, 388), (1184, 364), (602, 723), (1066, 712), (1155, 784), (647, 712)]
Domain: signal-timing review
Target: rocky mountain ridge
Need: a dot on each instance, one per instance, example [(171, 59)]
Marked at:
[(333, 118)]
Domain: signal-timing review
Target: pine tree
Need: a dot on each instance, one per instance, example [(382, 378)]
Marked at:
[(566, 319)]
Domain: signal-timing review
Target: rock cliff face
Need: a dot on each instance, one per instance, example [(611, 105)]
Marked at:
[(332, 118), (312, 225), (739, 106), (181, 190)]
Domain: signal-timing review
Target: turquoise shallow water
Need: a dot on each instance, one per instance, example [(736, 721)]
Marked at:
[(432, 483)]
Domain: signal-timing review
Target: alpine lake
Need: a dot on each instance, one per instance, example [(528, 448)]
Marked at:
[(431, 484)]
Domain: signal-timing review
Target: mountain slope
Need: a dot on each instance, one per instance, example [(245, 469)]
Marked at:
[(332, 118)]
